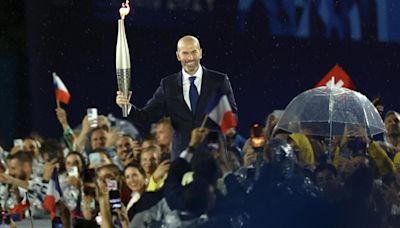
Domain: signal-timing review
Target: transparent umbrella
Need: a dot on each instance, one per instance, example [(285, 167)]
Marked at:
[(328, 110)]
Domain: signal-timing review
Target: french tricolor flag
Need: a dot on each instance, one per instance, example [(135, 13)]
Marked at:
[(62, 93), (219, 110), (53, 194)]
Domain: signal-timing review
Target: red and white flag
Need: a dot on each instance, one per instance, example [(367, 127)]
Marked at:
[(340, 77), (62, 93), (220, 111), (53, 194)]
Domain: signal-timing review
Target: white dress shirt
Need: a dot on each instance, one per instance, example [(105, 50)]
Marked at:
[(186, 84)]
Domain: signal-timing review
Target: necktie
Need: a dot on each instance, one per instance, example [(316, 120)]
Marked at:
[(193, 94)]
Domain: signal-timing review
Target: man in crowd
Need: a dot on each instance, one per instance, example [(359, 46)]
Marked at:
[(184, 96), (392, 136), (164, 132), (21, 175)]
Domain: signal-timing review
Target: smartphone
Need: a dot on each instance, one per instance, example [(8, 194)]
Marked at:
[(165, 156), (92, 115), (73, 171), (114, 196), (95, 158), (18, 143)]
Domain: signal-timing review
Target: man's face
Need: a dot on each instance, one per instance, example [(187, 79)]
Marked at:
[(149, 162), (31, 146), (99, 139), (189, 54), (18, 169), (163, 135), (326, 180), (392, 125), (124, 146)]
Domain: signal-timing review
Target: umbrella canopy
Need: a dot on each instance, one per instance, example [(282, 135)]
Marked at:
[(328, 110)]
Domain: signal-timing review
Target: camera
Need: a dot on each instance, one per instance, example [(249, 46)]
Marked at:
[(257, 137)]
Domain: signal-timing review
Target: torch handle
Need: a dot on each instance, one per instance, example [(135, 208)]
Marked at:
[(125, 110)]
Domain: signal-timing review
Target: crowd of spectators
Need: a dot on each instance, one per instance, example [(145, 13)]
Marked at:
[(110, 178)]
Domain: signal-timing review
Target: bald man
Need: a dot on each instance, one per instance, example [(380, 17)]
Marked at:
[(183, 96)]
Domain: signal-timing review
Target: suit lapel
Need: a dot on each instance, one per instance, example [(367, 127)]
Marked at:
[(180, 91), (206, 93)]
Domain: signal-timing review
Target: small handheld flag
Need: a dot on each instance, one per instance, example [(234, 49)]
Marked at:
[(62, 93), (219, 110), (53, 194)]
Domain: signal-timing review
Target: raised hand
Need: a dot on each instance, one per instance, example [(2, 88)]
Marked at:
[(48, 169), (62, 117), (161, 170), (198, 135), (121, 99)]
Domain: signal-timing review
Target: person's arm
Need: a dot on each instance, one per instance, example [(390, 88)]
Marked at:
[(80, 141), (153, 110), (173, 188), (85, 207), (69, 135), (106, 217), (6, 179)]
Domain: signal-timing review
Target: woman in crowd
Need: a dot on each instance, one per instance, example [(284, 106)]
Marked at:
[(156, 171), (135, 180)]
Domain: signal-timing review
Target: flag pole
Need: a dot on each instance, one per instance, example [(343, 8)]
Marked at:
[(30, 218), (29, 210), (204, 121)]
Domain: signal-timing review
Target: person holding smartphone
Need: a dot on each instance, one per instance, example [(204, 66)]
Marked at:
[(109, 181), (70, 181)]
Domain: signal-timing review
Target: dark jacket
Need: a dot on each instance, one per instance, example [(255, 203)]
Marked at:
[(168, 100)]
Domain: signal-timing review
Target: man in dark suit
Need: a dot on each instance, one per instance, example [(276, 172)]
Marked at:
[(184, 96)]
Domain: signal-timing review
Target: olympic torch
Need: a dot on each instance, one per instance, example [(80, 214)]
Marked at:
[(123, 61)]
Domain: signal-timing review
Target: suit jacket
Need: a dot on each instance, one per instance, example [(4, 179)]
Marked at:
[(168, 101)]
